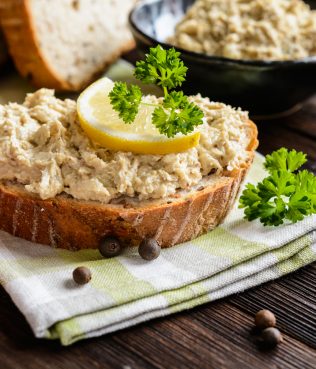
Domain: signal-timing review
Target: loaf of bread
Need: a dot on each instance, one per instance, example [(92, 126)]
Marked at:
[(64, 44)]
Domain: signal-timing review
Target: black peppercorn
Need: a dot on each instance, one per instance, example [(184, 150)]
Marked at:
[(149, 249), (264, 319), (271, 337), (81, 275), (110, 247)]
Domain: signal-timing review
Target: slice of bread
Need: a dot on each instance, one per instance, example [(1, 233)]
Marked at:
[(72, 224), (64, 44)]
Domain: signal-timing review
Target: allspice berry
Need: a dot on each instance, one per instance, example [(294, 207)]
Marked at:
[(110, 247), (149, 249), (81, 275), (271, 337), (264, 319)]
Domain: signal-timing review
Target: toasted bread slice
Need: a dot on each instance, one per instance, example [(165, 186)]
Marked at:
[(64, 44), (73, 224)]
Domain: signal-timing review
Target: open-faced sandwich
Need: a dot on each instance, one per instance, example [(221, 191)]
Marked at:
[(121, 164)]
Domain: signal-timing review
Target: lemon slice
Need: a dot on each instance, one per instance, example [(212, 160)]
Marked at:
[(103, 125)]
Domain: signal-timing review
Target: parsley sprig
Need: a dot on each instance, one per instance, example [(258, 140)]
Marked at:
[(176, 114), (126, 100), (286, 194), (163, 68)]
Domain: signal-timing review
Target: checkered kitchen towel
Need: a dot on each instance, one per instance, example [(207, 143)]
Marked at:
[(127, 290)]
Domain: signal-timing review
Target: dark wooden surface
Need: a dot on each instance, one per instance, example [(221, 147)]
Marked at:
[(217, 335)]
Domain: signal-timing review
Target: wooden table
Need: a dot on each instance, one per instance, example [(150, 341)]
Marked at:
[(217, 335)]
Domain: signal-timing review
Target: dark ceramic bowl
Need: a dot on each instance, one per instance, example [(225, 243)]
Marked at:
[(262, 87)]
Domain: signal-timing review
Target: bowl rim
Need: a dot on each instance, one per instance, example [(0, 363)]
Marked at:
[(209, 58)]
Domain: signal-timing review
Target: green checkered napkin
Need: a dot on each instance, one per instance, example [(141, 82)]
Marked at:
[(127, 290)]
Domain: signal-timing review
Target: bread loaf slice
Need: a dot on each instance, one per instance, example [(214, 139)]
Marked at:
[(64, 44), (73, 224)]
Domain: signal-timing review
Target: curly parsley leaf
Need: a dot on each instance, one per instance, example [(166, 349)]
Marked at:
[(162, 67), (306, 184), (125, 100), (284, 194), (279, 183), (284, 159), (177, 115)]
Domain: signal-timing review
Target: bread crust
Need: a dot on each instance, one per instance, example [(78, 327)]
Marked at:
[(19, 30), (71, 224)]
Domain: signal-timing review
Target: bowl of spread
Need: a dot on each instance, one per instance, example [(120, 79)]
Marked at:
[(253, 55)]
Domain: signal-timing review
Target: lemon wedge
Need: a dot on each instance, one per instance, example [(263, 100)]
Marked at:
[(103, 125)]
